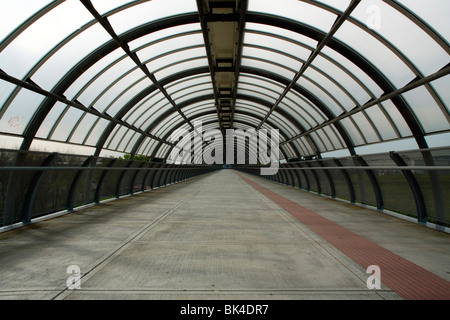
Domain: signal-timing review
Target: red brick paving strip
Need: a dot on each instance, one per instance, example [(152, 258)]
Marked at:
[(407, 279)]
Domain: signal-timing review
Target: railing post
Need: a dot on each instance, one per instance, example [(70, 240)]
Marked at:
[(415, 188), (344, 172), (100, 181), (76, 179), (32, 189), (330, 180), (373, 181)]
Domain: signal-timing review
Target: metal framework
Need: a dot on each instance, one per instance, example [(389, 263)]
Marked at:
[(119, 78)]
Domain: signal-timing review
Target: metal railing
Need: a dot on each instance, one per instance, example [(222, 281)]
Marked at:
[(409, 183), (37, 184)]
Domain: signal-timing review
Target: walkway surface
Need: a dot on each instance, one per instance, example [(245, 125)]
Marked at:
[(225, 235)]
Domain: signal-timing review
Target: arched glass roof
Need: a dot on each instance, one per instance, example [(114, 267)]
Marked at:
[(105, 77)]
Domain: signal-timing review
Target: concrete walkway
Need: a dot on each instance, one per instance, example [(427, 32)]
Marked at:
[(212, 237)]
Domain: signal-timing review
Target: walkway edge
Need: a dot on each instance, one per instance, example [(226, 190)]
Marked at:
[(407, 279)]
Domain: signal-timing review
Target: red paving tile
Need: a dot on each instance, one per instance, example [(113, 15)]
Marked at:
[(408, 280)]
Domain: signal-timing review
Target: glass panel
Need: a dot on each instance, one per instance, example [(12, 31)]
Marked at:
[(365, 127), (68, 56), (405, 35), (20, 112), (169, 47), (154, 65), (261, 82), (274, 95), (352, 131), (199, 110), (436, 18), (162, 35), (266, 54), (316, 115), (426, 110), (22, 181), (441, 86), (334, 90), (268, 66), (149, 11), (149, 148), (83, 128), (192, 107), (103, 6), (187, 83), (50, 120), (14, 13), (194, 92), (122, 99), (255, 94), (139, 109), (153, 114), (34, 42), (96, 132), (176, 68), (115, 137), (397, 118), (341, 5), (160, 153), (318, 140), (125, 139), (296, 10), (143, 145), (103, 102), (343, 78), (381, 122), (290, 36), (6, 89), (130, 145), (108, 188), (440, 158), (91, 73), (302, 117), (309, 148), (166, 126), (127, 180), (109, 76), (252, 41), (321, 95), (369, 47), (354, 69), (334, 137), (66, 124)]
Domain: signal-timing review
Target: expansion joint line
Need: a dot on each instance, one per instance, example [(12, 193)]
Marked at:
[(124, 245)]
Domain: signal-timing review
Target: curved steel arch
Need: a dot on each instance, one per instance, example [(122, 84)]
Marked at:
[(203, 144), (355, 58), (189, 18), (168, 134), (210, 97)]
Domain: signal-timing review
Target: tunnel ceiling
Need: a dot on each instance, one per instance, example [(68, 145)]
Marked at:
[(123, 75)]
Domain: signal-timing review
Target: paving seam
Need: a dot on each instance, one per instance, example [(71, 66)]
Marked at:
[(124, 245), (407, 279)]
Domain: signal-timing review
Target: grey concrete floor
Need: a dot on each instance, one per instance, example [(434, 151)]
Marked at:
[(212, 237)]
